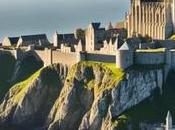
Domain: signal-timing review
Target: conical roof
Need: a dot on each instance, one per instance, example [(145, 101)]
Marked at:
[(169, 114), (125, 46)]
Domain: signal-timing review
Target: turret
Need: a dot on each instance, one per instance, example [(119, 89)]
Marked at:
[(55, 40), (124, 56), (169, 121)]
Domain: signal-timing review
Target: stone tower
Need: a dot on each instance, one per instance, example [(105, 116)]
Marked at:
[(169, 121), (153, 18), (91, 40), (55, 39), (124, 56)]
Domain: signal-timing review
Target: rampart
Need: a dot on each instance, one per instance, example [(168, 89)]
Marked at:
[(100, 57), (49, 56), (64, 58), (149, 58)]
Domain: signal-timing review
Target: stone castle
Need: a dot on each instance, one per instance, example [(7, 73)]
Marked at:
[(152, 18), (121, 46), (111, 44)]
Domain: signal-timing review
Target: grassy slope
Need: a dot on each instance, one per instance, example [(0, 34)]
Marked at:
[(110, 69), (7, 62), (22, 86)]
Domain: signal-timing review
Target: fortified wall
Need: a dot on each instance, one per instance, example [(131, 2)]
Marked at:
[(122, 58)]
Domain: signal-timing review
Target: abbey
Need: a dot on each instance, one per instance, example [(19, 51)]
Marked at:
[(152, 18)]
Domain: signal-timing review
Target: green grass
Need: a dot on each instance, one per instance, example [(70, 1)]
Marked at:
[(21, 88), (172, 37), (159, 50), (117, 73), (113, 75)]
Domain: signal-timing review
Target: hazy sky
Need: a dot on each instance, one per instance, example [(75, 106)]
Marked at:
[(46, 16)]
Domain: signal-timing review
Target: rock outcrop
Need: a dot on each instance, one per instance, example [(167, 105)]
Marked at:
[(88, 99), (29, 102)]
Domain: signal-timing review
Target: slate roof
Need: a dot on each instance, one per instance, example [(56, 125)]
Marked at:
[(13, 40), (34, 37), (68, 39), (96, 25)]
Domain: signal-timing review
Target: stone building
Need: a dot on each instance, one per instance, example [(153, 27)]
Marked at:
[(59, 39), (10, 41), (95, 36), (109, 47), (153, 18), (36, 40)]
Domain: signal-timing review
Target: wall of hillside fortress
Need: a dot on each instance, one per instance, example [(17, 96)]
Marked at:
[(56, 56), (100, 57), (64, 58), (146, 58)]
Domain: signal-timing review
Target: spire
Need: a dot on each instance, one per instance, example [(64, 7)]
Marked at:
[(110, 26), (168, 121), (55, 39)]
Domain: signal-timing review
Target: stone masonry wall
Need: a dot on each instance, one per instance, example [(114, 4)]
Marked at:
[(64, 58), (147, 58), (100, 57)]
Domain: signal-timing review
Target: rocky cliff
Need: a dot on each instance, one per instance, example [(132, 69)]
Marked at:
[(91, 97)]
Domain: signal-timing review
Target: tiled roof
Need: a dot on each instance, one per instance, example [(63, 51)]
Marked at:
[(67, 39), (13, 40), (34, 37), (95, 25)]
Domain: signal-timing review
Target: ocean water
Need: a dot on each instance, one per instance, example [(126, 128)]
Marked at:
[(18, 17)]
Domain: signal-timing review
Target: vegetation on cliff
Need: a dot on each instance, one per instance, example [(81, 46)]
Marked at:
[(115, 74), (89, 97), (19, 70)]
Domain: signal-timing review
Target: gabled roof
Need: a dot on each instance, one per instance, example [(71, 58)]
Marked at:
[(125, 46), (96, 25), (67, 39), (13, 40), (34, 37)]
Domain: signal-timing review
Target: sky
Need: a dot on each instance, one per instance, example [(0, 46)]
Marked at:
[(23, 17)]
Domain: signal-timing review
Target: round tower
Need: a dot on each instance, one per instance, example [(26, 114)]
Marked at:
[(55, 40), (124, 56)]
